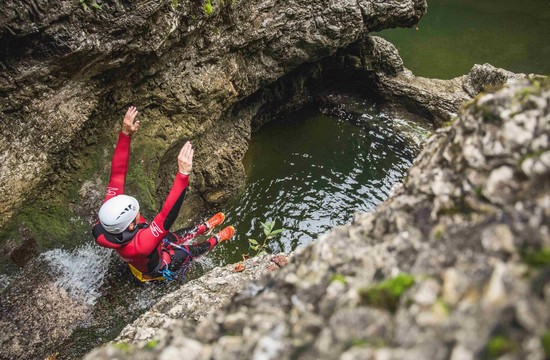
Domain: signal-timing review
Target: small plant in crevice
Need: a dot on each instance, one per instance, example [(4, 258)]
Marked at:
[(270, 232), (537, 258), (209, 5), (86, 4), (499, 345), (175, 4), (208, 9)]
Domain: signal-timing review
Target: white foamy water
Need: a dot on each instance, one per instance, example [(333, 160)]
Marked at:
[(4, 282), (80, 271)]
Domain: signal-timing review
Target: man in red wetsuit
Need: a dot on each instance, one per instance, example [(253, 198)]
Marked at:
[(151, 250)]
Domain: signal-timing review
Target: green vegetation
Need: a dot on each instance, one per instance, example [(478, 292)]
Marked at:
[(209, 5), (537, 258), (86, 4), (123, 346), (523, 94), (546, 343), (142, 172), (438, 231), (208, 9), (386, 294), (52, 217), (48, 221), (461, 206), (339, 278), (479, 194), (55, 217), (371, 342), (359, 342), (152, 344), (269, 233), (500, 345), (448, 122)]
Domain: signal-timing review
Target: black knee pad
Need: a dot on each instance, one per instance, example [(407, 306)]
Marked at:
[(177, 259)]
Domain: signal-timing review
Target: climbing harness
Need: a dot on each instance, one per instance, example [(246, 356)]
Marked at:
[(165, 271)]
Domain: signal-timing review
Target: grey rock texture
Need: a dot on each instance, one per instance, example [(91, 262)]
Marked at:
[(200, 297), (485, 75), (453, 245), (69, 73)]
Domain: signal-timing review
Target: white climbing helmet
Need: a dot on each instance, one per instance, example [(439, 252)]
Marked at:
[(118, 212)]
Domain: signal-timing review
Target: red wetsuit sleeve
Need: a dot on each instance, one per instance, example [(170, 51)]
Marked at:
[(119, 167), (149, 238)]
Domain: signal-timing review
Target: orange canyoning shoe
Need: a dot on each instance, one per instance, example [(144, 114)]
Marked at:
[(225, 234), (215, 220)]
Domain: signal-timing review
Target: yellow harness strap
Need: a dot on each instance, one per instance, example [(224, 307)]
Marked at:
[(143, 278)]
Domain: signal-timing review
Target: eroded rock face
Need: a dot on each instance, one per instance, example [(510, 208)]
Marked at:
[(69, 73), (433, 99), (451, 245), (200, 297)]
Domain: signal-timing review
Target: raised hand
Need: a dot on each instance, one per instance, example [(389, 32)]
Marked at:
[(185, 159), (129, 124)]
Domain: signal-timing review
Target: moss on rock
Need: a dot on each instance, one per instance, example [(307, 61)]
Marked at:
[(386, 294), (499, 345), (545, 339), (537, 258)]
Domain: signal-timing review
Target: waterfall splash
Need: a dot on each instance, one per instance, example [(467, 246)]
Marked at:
[(80, 271)]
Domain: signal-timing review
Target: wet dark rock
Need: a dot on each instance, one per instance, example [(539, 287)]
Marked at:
[(484, 301), (381, 56), (36, 314), (21, 253)]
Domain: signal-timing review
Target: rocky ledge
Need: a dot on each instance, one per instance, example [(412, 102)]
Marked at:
[(454, 265), (435, 100), (199, 297)]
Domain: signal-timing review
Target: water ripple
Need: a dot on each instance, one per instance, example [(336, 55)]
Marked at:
[(314, 172)]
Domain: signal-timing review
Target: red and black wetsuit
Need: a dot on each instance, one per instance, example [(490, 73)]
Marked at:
[(143, 248)]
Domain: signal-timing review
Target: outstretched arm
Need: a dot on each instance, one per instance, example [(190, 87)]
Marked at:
[(149, 238), (119, 164)]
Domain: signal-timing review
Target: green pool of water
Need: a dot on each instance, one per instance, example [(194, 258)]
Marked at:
[(456, 34), (310, 172)]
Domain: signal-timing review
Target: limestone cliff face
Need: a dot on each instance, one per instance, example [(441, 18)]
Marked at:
[(454, 265), (70, 70)]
